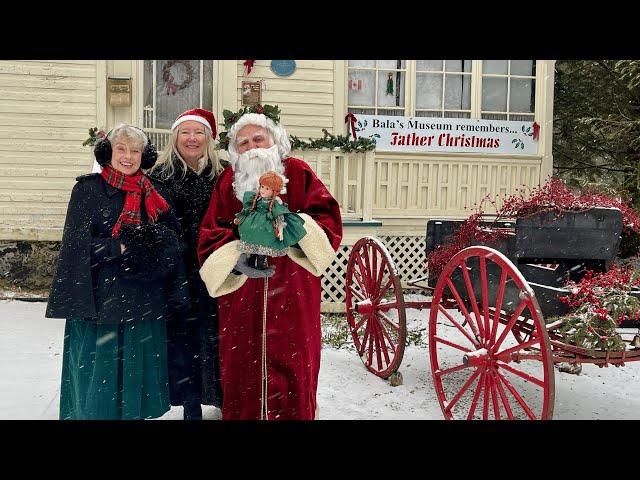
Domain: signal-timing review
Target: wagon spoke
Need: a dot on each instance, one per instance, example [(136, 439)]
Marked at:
[(521, 374), (460, 327), (486, 397), (357, 293), (476, 395), (384, 289), (498, 307), (465, 312), (504, 355), (384, 316), (392, 344), (451, 344), (503, 397), (360, 281), (365, 284), (377, 345), (374, 272), (485, 294), (359, 324), (380, 274), (457, 368), (509, 325), (365, 337), (371, 335), (472, 296), (369, 275), (464, 388), (517, 396), (494, 397)]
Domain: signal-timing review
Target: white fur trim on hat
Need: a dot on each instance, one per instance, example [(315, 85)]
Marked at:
[(277, 131), (216, 270), (317, 253), (195, 118)]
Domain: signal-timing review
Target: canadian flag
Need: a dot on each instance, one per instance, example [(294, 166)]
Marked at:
[(355, 84)]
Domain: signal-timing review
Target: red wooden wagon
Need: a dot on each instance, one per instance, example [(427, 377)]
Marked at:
[(491, 351)]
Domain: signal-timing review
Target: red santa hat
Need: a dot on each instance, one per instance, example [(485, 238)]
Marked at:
[(200, 115)]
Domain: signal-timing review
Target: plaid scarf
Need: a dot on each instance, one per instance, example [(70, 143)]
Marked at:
[(134, 186)]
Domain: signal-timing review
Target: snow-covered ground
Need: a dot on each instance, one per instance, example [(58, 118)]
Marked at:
[(30, 363)]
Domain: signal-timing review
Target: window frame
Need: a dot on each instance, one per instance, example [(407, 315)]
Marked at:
[(146, 115), (476, 90)]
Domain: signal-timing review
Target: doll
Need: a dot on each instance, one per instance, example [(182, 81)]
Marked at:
[(265, 224)]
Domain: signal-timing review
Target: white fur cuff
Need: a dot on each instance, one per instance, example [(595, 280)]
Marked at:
[(216, 270), (317, 253)]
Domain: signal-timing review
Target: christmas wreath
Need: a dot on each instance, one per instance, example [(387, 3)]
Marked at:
[(169, 82)]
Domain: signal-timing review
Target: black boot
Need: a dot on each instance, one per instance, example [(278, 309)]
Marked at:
[(262, 262), (192, 410)]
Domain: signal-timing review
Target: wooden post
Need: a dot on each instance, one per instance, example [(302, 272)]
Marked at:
[(367, 185)]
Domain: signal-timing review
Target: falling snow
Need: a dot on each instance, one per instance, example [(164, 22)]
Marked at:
[(31, 361)]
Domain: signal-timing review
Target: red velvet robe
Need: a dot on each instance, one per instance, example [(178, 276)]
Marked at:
[(293, 336)]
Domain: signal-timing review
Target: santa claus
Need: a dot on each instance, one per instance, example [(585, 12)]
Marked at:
[(270, 336)]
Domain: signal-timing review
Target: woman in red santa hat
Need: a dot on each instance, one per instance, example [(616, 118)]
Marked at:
[(270, 336), (188, 168)]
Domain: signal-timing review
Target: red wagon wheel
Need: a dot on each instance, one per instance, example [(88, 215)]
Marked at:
[(375, 307), (480, 369)]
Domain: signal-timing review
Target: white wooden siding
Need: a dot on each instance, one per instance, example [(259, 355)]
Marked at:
[(305, 98), (46, 110)]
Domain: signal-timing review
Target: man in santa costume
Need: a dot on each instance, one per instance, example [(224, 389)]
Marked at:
[(270, 336)]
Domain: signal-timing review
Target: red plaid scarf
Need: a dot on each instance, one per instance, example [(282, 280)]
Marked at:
[(134, 186)]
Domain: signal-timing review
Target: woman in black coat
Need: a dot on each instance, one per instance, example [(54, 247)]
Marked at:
[(188, 167), (118, 277)]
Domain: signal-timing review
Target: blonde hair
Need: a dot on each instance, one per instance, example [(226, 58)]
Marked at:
[(167, 161)]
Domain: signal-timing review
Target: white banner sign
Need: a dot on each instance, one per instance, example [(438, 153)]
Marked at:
[(429, 134)]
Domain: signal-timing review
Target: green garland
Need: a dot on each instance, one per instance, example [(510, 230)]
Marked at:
[(334, 141), (273, 112), (269, 111)]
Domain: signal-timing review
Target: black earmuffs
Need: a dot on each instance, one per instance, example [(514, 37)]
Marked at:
[(103, 151)]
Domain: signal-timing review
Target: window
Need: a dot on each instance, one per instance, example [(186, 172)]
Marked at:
[(508, 89), (377, 86), (491, 89), (443, 88), (173, 86)]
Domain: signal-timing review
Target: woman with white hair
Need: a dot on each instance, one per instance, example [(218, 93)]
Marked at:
[(119, 276), (188, 168)]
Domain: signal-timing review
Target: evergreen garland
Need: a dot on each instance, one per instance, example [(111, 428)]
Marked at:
[(334, 142)]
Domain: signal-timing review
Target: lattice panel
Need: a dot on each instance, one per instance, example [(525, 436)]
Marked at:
[(333, 279), (407, 253)]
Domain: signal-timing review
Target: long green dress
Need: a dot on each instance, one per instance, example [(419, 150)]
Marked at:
[(114, 372), (256, 230)]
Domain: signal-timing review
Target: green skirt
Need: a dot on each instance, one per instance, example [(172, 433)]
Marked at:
[(114, 372)]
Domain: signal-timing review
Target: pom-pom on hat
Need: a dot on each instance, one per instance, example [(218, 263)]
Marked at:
[(200, 115)]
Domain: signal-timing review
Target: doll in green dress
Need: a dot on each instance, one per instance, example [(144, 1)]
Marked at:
[(265, 224)]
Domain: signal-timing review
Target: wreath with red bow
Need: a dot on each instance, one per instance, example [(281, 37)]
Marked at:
[(169, 82)]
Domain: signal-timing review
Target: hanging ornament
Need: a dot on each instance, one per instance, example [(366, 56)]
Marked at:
[(351, 118), (249, 65), (536, 130), (390, 84)]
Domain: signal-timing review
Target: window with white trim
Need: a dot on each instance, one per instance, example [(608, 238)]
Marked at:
[(443, 88), (377, 86), (508, 89), (491, 89), (173, 86)]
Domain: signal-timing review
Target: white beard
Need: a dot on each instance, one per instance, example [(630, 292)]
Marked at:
[(251, 165)]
